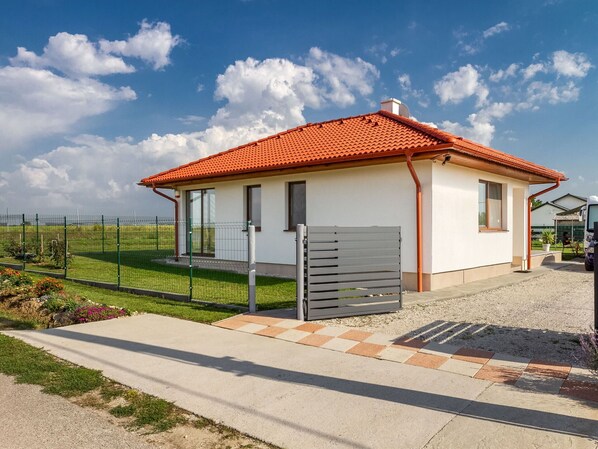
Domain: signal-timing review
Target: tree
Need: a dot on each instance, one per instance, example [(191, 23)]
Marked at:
[(536, 202)]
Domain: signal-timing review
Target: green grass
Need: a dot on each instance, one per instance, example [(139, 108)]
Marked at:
[(567, 251), (12, 320), (33, 366)]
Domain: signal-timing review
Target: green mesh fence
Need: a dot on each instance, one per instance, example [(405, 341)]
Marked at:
[(139, 254)]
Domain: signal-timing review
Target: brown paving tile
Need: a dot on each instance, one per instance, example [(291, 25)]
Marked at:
[(550, 369), (498, 374), (410, 343), (315, 340), (581, 390), (310, 327), (232, 323), (473, 355), (366, 349), (426, 360), (271, 331), (259, 319), (355, 335)]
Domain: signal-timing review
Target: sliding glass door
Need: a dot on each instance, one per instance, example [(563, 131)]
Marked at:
[(201, 209)]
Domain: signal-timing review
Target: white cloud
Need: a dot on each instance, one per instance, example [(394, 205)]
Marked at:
[(571, 64), (191, 119), (480, 127), (153, 44), (409, 92), (342, 76), (531, 70), (73, 55), (200, 88), (262, 97), (36, 103), (539, 91), (456, 86), (509, 72), (496, 29)]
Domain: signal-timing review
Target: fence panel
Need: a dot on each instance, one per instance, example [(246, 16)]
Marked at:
[(352, 271)]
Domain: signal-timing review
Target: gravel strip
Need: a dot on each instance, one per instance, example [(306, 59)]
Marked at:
[(537, 318)]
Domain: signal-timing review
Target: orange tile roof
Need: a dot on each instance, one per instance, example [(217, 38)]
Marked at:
[(363, 137)]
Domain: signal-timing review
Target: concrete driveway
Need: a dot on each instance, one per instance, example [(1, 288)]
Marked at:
[(298, 396)]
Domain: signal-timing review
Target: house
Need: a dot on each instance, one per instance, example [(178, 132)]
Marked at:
[(463, 207), (544, 214)]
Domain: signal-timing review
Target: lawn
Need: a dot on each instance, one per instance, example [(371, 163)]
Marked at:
[(567, 252)]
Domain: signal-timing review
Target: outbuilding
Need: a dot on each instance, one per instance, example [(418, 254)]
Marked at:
[(464, 208)]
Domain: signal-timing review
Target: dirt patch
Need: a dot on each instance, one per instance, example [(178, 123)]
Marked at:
[(538, 318)]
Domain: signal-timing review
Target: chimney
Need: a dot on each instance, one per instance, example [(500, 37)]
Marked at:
[(395, 107)]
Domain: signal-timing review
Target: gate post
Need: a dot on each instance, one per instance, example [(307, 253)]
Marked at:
[(251, 266), (300, 254)]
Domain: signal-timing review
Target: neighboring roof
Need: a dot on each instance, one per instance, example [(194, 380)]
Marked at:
[(549, 203), (581, 198), (574, 211), (363, 137)]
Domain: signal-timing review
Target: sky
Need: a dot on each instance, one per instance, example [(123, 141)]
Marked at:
[(95, 96)]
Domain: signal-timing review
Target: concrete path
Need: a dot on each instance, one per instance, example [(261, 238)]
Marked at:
[(298, 396), (35, 420)]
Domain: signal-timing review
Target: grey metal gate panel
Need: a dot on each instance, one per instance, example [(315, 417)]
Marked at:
[(352, 271)]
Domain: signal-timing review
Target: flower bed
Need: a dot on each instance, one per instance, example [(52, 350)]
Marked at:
[(46, 302)]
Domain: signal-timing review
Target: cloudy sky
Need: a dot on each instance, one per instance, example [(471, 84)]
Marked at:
[(95, 96)]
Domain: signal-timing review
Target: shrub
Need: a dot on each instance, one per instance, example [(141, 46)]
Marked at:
[(14, 278), (547, 237), (589, 350), (87, 314), (46, 286), (59, 255)]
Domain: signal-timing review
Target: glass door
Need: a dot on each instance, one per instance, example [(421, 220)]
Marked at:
[(201, 209)]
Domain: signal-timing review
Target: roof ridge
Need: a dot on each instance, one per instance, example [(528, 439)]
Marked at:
[(422, 127)]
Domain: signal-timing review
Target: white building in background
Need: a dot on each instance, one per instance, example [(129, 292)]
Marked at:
[(366, 171)]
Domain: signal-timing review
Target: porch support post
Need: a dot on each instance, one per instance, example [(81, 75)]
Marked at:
[(529, 220)]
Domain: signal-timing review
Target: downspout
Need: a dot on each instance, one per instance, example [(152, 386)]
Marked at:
[(418, 213), (176, 221), (529, 220)]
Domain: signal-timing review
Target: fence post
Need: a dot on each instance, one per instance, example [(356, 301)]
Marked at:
[(23, 252), (157, 235), (118, 253), (251, 266), (37, 249), (103, 234), (66, 250), (300, 270), (190, 232)]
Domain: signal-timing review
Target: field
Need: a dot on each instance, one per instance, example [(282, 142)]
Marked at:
[(135, 255)]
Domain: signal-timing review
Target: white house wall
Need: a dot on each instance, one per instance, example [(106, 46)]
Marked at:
[(457, 243), (382, 195), (544, 216)]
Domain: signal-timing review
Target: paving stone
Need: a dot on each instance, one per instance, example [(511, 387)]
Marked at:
[(310, 327), (498, 374), (410, 343), (578, 374), (366, 349), (581, 390), (332, 331), (339, 344), (380, 339), (259, 319), (550, 369), (543, 384), (252, 328), (292, 335), (230, 324), (289, 324), (473, 355), (271, 331), (461, 367), (395, 354), (355, 335), (426, 360), (315, 340), (443, 350), (508, 361)]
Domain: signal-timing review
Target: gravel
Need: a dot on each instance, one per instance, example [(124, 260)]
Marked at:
[(539, 318)]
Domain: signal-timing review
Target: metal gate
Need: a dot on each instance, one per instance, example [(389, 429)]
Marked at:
[(345, 271)]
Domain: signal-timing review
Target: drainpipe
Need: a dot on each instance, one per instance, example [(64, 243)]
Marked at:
[(176, 221), (529, 220), (418, 213)]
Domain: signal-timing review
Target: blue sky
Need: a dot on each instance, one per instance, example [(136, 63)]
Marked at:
[(96, 95)]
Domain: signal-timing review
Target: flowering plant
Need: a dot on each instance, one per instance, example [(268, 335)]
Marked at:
[(589, 350), (14, 278), (87, 314), (47, 285)]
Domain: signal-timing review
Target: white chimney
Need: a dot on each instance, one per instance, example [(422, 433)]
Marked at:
[(395, 107)]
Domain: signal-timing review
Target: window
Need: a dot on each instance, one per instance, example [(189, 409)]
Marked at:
[(592, 217), (296, 204), (254, 206), (201, 214), (489, 205)]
